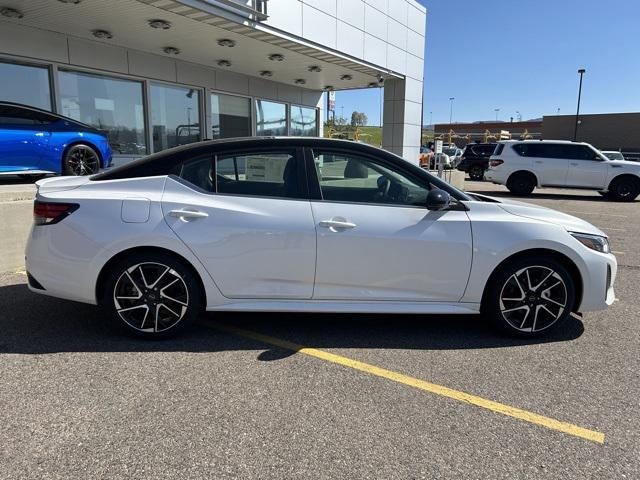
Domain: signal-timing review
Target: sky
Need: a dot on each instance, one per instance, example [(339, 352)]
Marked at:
[(522, 55)]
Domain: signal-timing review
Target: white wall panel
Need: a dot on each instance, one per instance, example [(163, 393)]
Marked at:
[(375, 22), (397, 34), (318, 27), (287, 93), (416, 20), (396, 59), (412, 113), (352, 12), (379, 4), (261, 88), (375, 50), (193, 74), (350, 40), (398, 10), (415, 67), (286, 15), (326, 6), (33, 42), (415, 44), (312, 98), (152, 66), (232, 82), (98, 55)]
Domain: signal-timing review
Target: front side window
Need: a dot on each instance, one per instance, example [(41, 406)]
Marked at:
[(271, 118), (25, 84), (264, 174), (355, 179), (175, 116), (230, 116), (579, 152), (303, 122), (111, 104)]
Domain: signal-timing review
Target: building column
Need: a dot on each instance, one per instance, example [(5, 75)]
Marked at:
[(401, 123)]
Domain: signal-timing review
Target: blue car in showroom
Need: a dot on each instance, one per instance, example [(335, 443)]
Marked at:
[(34, 143)]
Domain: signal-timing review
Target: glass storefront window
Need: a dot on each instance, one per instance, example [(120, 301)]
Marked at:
[(175, 116), (111, 104), (25, 84), (271, 118), (303, 122), (230, 116)]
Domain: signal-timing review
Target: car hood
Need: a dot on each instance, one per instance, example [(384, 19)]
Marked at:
[(626, 164), (528, 210)]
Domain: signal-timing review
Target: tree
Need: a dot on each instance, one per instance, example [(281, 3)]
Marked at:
[(358, 119)]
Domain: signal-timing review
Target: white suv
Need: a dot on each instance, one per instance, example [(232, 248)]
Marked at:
[(524, 165)]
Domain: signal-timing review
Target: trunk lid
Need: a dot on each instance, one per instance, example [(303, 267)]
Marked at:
[(60, 184)]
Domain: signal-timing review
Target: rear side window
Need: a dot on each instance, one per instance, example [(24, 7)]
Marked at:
[(198, 172), (265, 174), (17, 116)]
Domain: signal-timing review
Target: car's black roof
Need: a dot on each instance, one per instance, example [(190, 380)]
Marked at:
[(164, 163), (47, 112)]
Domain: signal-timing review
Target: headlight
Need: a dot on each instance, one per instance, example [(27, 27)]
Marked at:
[(594, 242)]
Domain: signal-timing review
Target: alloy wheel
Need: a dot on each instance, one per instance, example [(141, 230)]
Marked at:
[(82, 160), (151, 297), (533, 299)]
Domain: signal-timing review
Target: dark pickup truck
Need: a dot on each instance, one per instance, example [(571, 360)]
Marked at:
[(475, 159)]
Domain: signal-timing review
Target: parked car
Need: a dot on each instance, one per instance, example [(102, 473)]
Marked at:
[(525, 165), (475, 159), (613, 155), (35, 142), (454, 154), (251, 225)]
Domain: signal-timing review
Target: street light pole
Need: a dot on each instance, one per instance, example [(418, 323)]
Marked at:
[(451, 99), (575, 130), (497, 110)]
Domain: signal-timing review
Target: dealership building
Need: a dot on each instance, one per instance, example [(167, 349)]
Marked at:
[(159, 73)]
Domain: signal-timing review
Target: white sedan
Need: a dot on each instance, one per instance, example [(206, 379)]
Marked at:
[(315, 225)]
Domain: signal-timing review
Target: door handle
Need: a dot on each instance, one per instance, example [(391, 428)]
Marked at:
[(573, 163), (336, 225), (538, 161), (184, 214)]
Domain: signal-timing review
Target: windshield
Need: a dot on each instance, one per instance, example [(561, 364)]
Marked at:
[(450, 151), (614, 155)]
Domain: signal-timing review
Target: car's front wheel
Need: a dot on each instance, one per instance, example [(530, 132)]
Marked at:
[(80, 159), (530, 296), (152, 295), (476, 173)]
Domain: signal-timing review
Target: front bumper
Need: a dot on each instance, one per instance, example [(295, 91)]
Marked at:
[(598, 282)]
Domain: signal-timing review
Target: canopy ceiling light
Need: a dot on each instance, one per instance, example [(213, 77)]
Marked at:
[(227, 42), (314, 69), (171, 50), (266, 73), (328, 88), (299, 81), (276, 57), (346, 76), (102, 34), (373, 84), (224, 63), (160, 24), (11, 12)]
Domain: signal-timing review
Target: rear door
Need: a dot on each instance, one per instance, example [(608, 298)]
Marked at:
[(246, 216), (586, 167), (549, 162), (23, 139)]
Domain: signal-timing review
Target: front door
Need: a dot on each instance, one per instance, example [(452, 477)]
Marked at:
[(586, 167), (246, 217), (23, 140), (377, 240)]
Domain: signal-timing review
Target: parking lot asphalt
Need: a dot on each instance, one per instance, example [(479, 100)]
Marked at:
[(325, 396)]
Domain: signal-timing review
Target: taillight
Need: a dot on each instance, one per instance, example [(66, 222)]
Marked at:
[(46, 213), (496, 163)]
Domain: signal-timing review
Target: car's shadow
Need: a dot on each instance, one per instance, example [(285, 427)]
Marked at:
[(35, 324)]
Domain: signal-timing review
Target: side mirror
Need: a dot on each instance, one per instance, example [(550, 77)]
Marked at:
[(438, 199)]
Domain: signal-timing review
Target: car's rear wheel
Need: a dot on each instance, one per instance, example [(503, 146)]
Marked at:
[(79, 160), (476, 172), (530, 296), (624, 189), (521, 183), (152, 295)]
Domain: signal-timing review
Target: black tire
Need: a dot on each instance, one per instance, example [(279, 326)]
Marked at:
[(521, 183), (624, 189), (152, 295), (80, 159), (476, 173), (516, 309)]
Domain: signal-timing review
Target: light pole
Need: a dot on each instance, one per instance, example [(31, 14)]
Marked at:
[(575, 130), (451, 99), (497, 110), (431, 119), (518, 116)]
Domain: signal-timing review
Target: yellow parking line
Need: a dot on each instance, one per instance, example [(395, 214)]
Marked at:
[(458, 395)]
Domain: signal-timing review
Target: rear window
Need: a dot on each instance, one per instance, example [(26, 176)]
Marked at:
[(499, 148)]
